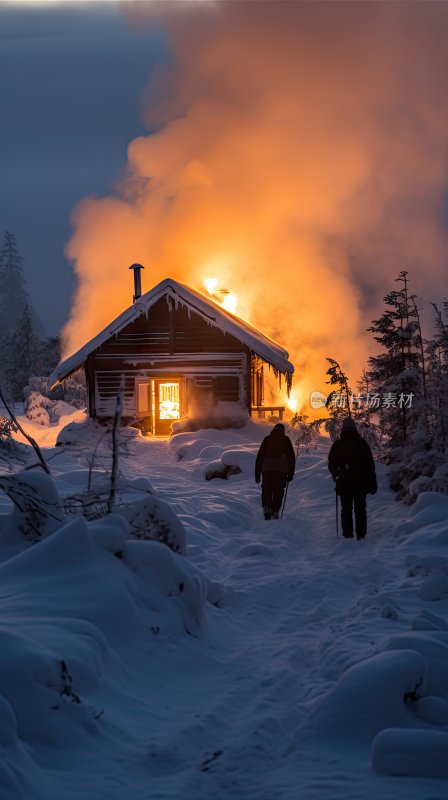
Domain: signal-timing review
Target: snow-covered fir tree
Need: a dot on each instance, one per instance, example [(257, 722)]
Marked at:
[(364, 413), (396, 375), (437, 379), (24, 352), (49, 355), (13, 295), (20, 355), (407, 382), (339, 401)]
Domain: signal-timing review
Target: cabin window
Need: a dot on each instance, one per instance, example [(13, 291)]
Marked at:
[(227, 388), (143, 398), (204, 383)]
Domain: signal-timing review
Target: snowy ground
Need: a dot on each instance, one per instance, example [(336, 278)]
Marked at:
[(277, 692)]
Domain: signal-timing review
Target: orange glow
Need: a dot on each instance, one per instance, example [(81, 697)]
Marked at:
[(227, 299), (230, 302), (211, 285), (283, 166), (292, 402)]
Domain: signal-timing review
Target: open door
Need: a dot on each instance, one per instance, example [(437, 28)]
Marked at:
[(166, 402)]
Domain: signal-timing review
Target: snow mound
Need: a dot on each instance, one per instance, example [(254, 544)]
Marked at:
[(256, 549), (433, 647), (419, 753), (170, 577), (424, 620), (231, 462), (432, 709), (243, 459), (110, 532), (191, 445), (428, 509), (153, 518), (37, 507), (83, 435), (371, 696), (434, 586), (68, 607)]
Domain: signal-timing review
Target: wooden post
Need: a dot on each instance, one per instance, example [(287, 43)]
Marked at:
[(248, 380)]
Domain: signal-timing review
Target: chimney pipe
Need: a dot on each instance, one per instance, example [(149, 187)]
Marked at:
[(137, 281)]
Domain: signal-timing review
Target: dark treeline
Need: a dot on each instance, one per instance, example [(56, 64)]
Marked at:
[(25, 350)]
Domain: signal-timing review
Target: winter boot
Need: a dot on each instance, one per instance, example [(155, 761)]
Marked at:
[(267, 512), (275, 515)]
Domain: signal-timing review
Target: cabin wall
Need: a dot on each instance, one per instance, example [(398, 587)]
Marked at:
[(214, 366)]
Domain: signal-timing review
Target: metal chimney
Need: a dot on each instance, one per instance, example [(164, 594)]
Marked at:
[(137, 281)]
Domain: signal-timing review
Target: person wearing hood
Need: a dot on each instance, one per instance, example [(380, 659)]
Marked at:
[(351, 464), (276, 462)]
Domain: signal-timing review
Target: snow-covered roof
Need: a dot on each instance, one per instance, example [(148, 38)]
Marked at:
[(195, 301)]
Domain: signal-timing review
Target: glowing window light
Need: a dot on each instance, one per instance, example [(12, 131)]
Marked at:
[(169, 401)]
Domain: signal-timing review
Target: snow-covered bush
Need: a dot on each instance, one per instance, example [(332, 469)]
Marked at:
[(148, 517), (7, 428), (75, 392), (152, 518), (44, 407), (37, 510), (416, 474), (435, 482), (37, 408), (36, 384)]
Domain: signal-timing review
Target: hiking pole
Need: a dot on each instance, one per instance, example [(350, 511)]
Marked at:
[(284, 500), (337, 516)]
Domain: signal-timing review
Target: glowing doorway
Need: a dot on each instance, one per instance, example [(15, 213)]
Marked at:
[(165, 405), (169, 401)]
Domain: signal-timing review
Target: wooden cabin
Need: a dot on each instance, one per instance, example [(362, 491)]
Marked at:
[(177, 353)]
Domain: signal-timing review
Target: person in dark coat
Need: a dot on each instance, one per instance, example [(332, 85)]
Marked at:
[(351, 464), (276, 462)]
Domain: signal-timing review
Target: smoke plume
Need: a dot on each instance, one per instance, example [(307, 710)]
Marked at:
[(298, 152)]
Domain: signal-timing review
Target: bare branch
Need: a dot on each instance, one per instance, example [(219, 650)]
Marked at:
[(30, 439)]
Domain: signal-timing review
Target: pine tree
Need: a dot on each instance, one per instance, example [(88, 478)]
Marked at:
[(13, 295), (437, 379), (48, 355), (397, 375), (364, 414), (339, 400), (20, 354)]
